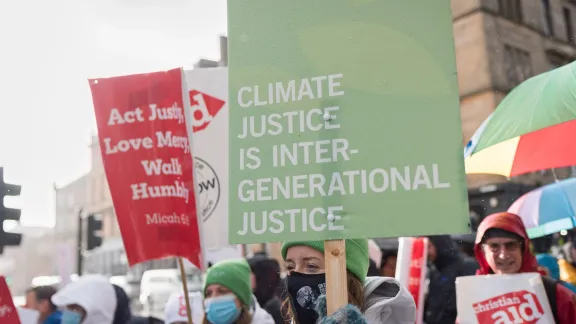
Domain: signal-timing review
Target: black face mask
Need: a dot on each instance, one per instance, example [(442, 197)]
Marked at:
[(304, 290)]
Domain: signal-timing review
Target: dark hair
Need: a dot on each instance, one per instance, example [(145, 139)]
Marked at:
[(267, 276), (542, 244), (123, 312), (386, 255), (44, 293), (373, 270)]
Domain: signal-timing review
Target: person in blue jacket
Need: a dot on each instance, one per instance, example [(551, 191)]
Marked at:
[(550, 263), (38, 298)]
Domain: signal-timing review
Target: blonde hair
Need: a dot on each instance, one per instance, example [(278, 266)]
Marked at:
[(355, 297)]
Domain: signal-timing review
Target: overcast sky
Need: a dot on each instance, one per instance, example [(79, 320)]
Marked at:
[(47, 51)]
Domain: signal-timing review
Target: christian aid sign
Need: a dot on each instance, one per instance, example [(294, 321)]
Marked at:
[(204, 108), (503, 299), (515, 307)]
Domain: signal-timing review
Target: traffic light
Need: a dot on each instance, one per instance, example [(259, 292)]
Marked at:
[(6, 189), (93, 238)]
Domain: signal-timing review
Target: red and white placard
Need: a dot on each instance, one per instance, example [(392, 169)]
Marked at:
[(411, 269)]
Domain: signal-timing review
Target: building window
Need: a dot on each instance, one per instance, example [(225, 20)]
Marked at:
[(518, 65), (556, 60), (511, 9), (548, 17), (569, 27)]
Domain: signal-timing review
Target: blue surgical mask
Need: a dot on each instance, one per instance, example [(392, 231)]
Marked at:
[(221, 309), (70, 317)]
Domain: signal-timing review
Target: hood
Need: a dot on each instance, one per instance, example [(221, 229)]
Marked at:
[(551, 263), (446, 251), (267, 275), (511, 223), (175, 309), (388, 302), (123, 312), (259, 315), (375, 253), (93, 293)]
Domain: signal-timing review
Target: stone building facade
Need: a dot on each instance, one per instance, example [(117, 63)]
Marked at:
[(499, 44)]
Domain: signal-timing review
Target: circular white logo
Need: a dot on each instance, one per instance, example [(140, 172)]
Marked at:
[(306, 297), (208, 188)]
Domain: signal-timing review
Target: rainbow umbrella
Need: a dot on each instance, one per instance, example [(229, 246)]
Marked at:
[(548, 209), (532, 129)]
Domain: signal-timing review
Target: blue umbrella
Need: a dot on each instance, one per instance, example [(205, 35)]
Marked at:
[(548, 209)]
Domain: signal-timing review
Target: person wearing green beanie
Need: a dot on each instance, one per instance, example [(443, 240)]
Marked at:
[(357, 260), (371, 299), (228, 295)]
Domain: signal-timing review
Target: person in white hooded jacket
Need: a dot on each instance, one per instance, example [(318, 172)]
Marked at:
[(175, 309), (89, 300), (371, 300), (228, 295)]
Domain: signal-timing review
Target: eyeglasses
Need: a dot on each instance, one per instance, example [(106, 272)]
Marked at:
[(508, 246)]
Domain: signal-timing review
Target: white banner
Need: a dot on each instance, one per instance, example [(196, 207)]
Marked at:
[(411, 270), (208, 90)]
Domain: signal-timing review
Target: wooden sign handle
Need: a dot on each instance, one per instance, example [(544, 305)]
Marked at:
[(336, 279), (185, 286)]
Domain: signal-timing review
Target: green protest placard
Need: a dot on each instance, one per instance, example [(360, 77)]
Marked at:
[(344, 120)]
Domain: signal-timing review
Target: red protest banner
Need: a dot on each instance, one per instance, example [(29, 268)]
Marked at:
[(146, 154), (417, 273), (513, 307), (8, 313)]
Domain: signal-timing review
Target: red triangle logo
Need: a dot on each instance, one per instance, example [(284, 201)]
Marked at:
[(204, 109)]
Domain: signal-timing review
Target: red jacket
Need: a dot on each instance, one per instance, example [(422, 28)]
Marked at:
[(565, 299)]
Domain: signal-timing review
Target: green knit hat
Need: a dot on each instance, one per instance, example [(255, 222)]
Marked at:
[(357, 259), (232, 274)]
